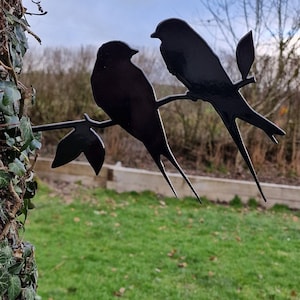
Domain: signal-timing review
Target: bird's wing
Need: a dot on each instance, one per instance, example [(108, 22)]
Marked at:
[(176, 64), (173, 60)]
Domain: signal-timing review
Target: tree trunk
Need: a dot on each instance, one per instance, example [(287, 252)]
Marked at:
[(18, 271)]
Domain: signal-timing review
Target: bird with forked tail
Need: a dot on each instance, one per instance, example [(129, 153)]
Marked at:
[(122, 90), (192, 61)]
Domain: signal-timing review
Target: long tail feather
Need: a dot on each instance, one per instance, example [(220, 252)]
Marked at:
[(235, 134), (174, 162), (163, 171), (256, 119)]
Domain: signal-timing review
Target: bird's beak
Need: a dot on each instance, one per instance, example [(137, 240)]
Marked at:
[(133, 52), (154, 35)]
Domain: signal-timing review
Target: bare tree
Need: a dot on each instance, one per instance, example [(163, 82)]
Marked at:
[(276, 27)]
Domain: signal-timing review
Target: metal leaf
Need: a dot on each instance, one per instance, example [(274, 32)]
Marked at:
[(245, 54), (95, 151), (68, 149), (81, 139)]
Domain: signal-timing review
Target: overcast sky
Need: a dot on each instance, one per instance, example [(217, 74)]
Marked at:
[(76, 23), (72, 23)]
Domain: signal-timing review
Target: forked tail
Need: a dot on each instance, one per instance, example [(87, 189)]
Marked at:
[(168, 154), (254, 118), (162, 169), (235, 134)]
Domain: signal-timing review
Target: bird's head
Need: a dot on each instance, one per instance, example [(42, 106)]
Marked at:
[(169, 27), (113, 51)]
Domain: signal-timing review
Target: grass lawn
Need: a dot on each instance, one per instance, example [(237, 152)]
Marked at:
[(105, 245)]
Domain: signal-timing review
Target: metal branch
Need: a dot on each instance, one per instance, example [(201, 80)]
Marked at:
[(107, 123), (171, 98), (189, 96), (101, 124), (244, 82), (72, 124)]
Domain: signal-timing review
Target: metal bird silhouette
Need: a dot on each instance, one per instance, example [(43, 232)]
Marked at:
[(192, 61), (122, 90)]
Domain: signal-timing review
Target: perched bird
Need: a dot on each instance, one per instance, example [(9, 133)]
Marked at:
[(192, 61), (122, 90)]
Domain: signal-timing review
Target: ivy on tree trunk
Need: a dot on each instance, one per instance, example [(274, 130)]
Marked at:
[(18, 147)]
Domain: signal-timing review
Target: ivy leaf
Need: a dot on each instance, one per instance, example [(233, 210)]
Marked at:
[(14, 287), (10, 141), (245, 54), (11, 94), (7, 110), (26, 132), (17, 167), (18, 189), (15, 55), (35, 144), (29, 294), (6, 255), (22, 39), (25, 127), (12, 121), (16, 268), (4, 179), (27, 251), (4, 279)]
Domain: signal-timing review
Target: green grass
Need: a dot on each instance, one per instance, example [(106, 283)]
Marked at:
[(106, 245)]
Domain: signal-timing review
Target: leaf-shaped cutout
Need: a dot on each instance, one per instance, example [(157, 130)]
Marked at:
[(95, 151), (245, 54), (81, 139), (68, 149)]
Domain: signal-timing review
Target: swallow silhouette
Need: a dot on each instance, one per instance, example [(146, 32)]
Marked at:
[(192, 61), (122, 90)]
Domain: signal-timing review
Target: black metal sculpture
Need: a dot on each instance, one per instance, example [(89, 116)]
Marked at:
[(122, 90), (81, 139), (193, 62)]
